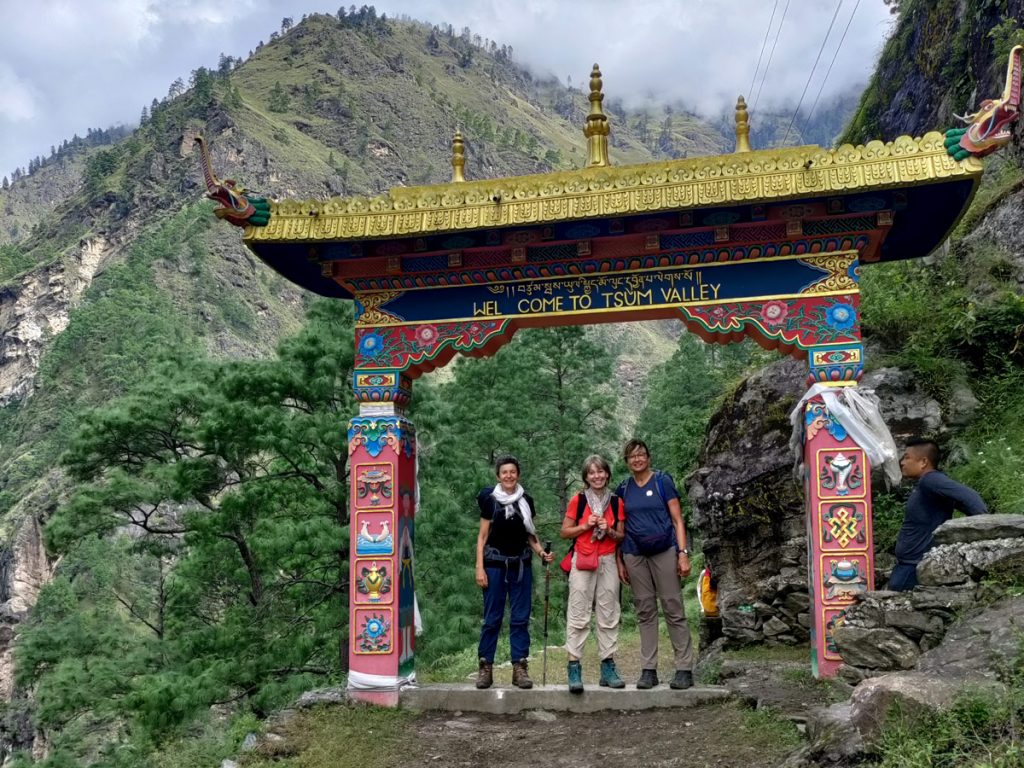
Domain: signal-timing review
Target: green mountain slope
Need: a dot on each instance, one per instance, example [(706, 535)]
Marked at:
[(332, 107)]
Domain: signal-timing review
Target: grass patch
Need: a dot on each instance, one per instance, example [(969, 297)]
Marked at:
[(13, 262), (770, 728), (980, 730), (334, 737), (208, 745), (887, 512), (710, 674)]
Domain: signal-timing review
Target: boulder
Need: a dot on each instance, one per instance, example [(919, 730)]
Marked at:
[(944, 600), (880, 648), (321, 696), (943, 565), (999, 560), (914, 624), (914, 693), (775, 626), (833, 740), (904, 407), (975, 560), (979, 528), (833, 736), (982, 646)]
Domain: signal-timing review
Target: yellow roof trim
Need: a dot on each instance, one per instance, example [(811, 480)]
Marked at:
[(763, 176)]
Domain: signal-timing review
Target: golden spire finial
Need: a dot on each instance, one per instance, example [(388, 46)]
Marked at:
[(742, 126), (597, 128), (458, 158)]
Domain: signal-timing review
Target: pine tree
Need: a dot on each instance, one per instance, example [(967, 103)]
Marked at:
[(225, 64), (684, 392), (278, 100), (235, 579), (202, 85)]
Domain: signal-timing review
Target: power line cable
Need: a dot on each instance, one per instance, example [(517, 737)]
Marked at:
[(764, 44), (828, 72), (771, 55), (811, 76)]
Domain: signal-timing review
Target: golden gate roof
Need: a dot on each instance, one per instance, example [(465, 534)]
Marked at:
[(763, 176)]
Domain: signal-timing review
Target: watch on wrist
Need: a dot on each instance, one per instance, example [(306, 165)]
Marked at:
[(684, 551)]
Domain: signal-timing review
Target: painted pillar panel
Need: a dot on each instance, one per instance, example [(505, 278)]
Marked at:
[(840, 552), (382, 461)]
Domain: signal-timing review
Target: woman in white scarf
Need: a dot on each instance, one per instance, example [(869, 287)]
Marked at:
[(506, 538)]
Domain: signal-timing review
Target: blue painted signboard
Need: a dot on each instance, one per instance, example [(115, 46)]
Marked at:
[(613, 292)]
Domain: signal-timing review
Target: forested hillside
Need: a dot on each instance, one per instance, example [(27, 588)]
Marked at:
[(172, 476)]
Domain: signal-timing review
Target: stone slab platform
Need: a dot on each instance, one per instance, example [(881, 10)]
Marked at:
[(458, 697)]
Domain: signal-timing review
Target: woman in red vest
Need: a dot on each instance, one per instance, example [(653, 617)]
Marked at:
[(595, 520)]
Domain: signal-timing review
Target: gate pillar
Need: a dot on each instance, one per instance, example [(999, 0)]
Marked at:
[(383, 497), (840, 548)]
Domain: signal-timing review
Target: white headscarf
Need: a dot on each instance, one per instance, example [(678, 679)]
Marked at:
[(514, 503)]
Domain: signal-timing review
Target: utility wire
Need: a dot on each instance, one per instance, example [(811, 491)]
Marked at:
[(771, 54), (810, 114), (811, 76), (764, 44)]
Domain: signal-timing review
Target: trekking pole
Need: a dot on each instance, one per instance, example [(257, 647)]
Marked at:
[(547, 596)]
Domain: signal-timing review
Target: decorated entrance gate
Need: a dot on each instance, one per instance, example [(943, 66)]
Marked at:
[(762, 244)]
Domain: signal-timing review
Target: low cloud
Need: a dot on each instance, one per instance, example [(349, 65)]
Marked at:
[(17, 102), (68, 66)]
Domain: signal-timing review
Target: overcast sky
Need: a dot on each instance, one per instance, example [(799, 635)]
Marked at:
[(68, 65)]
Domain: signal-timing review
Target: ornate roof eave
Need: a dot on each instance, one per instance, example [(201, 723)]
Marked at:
[(763, 176)]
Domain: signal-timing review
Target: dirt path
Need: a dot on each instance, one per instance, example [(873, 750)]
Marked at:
[(717, 735), (756, 729), (733, 734)]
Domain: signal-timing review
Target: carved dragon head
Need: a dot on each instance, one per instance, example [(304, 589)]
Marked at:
[(988, 128), (235, 208)]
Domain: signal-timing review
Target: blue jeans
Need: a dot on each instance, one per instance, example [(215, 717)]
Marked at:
[(903, 578), (506, 584)]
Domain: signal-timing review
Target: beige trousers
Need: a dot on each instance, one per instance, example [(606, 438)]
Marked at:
[(655, 579), (587, 588)]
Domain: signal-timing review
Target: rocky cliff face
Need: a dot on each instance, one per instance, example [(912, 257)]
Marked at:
[(749, 510), (24, 205), (36, 306), (941, 61)]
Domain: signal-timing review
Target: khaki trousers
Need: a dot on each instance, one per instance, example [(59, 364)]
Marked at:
[(585, 589), (655, 579)]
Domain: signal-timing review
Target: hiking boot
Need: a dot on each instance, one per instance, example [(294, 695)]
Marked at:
[(520, 675), (609, 675), (683, 679), (648, 679), (485, 676), (575, 675)]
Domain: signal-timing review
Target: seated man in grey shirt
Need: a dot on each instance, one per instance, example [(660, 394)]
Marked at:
[(931, 503)]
